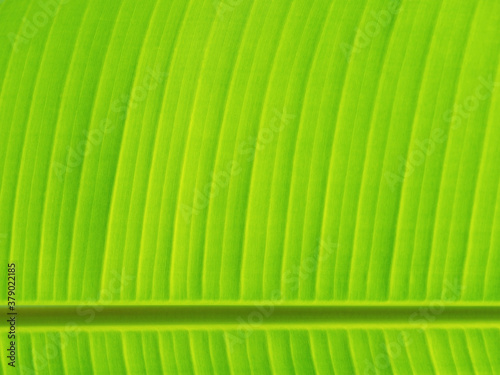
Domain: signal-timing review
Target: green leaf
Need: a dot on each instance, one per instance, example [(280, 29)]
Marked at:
[(250, 187)]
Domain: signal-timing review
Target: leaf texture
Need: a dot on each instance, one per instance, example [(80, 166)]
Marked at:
[(295, 154)]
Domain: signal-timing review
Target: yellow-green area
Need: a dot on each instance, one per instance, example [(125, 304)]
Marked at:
[(302, 351), (250, 186)]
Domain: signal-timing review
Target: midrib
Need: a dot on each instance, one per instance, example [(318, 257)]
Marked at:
[(259, 316)]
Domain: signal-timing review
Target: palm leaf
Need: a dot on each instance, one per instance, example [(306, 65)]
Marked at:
[(251, 186)]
